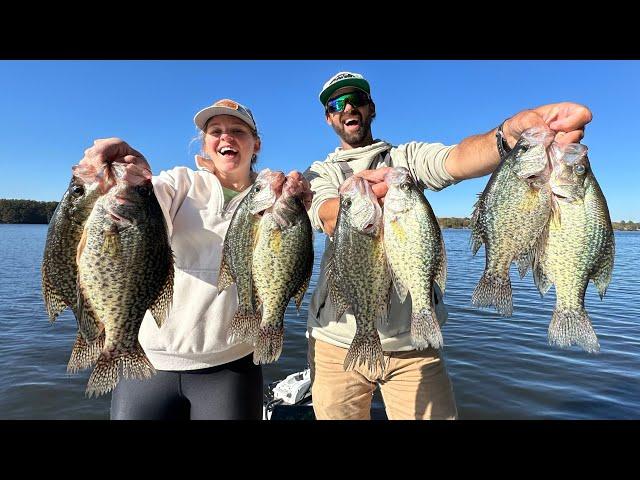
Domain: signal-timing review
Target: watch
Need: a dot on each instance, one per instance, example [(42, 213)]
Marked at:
[(503, 146)]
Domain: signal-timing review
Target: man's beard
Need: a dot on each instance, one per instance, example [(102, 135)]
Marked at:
[(357, 138)]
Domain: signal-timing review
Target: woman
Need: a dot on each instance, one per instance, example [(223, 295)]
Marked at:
[(199, 375)]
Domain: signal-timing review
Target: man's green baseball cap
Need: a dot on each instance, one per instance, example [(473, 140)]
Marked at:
[(340, 80)]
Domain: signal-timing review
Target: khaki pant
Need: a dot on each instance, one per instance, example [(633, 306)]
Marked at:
[(415, 385)]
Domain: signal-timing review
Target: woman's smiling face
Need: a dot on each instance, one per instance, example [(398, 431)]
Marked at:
[(230, 143)]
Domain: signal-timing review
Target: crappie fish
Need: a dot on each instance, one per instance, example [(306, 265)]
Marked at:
[(125, 267), (580, 247), (237, 252), (59, 269), (511, 216), (357, 273), (282, 264), (415, 250)]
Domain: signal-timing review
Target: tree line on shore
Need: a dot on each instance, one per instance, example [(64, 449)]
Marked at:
[(32, 211), (26, 211)]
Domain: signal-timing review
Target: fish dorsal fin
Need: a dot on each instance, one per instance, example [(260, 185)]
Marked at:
[(162, 303)]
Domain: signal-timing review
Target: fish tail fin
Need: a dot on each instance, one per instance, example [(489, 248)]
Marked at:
[(572, 327), (244, 325), (425, 329), (136, 364), (365, 349), (84, 354), (268, 343), (494, 290), (104, 377)]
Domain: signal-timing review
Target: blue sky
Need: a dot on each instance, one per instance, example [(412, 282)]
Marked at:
[(53, 110)]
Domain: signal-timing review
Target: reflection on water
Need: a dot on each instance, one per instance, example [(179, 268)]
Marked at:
[(501, 368)]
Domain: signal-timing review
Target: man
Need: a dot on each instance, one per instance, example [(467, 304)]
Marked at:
[(415, 383)]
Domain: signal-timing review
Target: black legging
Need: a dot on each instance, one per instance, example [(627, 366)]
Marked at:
[(232, 391)]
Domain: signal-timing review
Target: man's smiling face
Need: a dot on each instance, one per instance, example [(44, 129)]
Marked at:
[(353, 124)]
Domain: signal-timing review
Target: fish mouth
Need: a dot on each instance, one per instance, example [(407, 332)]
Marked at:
[(271, 191), (539, 135), (264, 206), (369, 228), (366, 220), (120, 220), (113, 215), (566, 193), (536, 180), (533, 175)]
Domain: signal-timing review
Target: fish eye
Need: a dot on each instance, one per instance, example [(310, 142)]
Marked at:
[(144, 190), (258, 187), (77, 190), (346, 202), (522, 149), (405, 186), (579, 169)]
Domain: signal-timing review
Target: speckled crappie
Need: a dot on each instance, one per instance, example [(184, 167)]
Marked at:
[(237, 252), (59, 269), (357, 273), (580, 246), (125, 267), (415, 249), (282, 264), (511, 216)]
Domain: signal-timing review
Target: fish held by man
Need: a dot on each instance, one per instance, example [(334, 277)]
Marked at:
[(415, 250), (358, 276), (580, 247), (511, 216)]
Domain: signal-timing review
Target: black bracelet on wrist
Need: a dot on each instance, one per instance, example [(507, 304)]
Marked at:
[(503, 146)]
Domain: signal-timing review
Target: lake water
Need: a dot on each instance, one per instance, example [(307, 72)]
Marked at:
[(501, 368)]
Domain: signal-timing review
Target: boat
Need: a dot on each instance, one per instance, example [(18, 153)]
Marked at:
[(290, 399)]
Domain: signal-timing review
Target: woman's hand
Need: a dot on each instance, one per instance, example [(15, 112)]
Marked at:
[(106, 151), (307, 194)]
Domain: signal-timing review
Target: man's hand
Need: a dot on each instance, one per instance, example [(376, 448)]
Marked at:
[(328, 210), (567, 119), (108, 150), (376, 180)]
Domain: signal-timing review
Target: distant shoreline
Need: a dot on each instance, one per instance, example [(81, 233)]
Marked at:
[(32, 212)]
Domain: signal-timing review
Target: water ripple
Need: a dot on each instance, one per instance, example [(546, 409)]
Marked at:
[(501, 368)]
